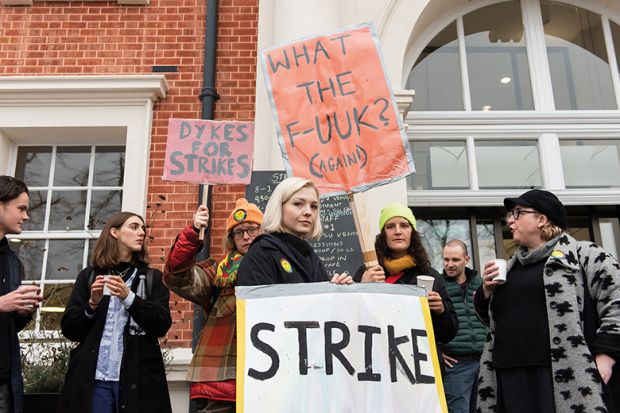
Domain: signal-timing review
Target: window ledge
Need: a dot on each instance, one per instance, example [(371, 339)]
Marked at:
[(61, 89), (30, 2), (464, 198)]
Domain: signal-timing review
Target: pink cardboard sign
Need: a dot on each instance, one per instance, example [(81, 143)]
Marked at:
[(209, 152)]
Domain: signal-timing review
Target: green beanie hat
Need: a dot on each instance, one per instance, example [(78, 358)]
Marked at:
[(394, 209)]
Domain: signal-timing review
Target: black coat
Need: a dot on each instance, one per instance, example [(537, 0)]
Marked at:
[(14, 274), (143, 385), (280, 258)]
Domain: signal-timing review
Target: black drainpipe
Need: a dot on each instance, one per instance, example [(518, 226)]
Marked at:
[(208, 96)]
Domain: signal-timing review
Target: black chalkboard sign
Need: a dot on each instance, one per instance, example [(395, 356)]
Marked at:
[(338, 248)]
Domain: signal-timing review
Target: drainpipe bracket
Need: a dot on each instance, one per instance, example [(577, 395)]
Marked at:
[(210, 92)]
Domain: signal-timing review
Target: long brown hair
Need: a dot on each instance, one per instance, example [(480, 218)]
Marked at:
[(106, 255), (416, 250)]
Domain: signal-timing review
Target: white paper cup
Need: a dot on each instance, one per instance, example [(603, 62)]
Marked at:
[(501, 264), (426, 281), (106, 289), (29, 287)]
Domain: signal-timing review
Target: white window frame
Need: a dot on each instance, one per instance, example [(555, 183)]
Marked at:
[(82, 110), (546, 128), (545, 122), (65, 110)]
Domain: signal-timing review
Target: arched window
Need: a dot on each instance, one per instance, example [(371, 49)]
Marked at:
[(510, 96), (480, 60)]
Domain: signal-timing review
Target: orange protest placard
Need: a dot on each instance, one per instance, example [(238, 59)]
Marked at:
[(336, 118)]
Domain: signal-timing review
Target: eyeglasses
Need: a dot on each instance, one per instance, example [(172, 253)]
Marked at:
[(517, 212), (238, 233)]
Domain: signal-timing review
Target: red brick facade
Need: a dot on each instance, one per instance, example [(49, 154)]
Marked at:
[(87, 38)]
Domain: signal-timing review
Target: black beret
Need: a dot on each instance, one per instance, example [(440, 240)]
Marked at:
[(542, 201)]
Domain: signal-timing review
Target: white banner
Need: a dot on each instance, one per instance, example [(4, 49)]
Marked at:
[(324, 348)]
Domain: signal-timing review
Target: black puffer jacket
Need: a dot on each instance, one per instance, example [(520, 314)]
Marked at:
[(280, 258)]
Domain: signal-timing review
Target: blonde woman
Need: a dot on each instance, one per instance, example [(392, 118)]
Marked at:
[(282, 255)]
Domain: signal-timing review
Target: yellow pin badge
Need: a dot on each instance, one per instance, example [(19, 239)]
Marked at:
[(557, 254), (240, 215), (286, 265)]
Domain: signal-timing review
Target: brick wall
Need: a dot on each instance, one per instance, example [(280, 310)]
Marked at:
[(87, 38)]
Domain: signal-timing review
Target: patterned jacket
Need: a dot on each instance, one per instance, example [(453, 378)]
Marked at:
[(576, 381), (212, 369)]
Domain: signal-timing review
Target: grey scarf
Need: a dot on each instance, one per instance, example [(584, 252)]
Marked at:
[(526, 257)]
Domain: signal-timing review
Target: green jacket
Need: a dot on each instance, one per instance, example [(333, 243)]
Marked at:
[(470, 337)]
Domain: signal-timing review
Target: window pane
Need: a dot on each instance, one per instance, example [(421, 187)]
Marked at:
[(579, 227), (109, 166), (435, 234), (577, 57), (55, 298), (499, 77), (67, 210), (64, 259), (610, 235), (33, 165), (92, 242), (486, 242), (439, 165), (36, 210), (436, 75), (102, 205), (72, 164), (615, 33), (508, 164), (30, 253), (591, 163)]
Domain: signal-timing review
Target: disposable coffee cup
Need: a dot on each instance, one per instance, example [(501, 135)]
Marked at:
[(29, 286), (106, 289), (501, 277), (426, 281)]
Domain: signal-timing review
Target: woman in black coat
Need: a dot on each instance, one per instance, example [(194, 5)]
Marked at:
[(117, 365), (402, 258), (282, 255)]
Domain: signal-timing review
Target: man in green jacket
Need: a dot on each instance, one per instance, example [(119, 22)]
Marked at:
[(462, 354)]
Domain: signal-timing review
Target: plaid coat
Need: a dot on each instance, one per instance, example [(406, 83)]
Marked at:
[(215, 357)]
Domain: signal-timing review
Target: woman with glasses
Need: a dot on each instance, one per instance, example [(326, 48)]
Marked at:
[(555, 323), (282, 255), (117, 364), (212, 286), (402, 257)]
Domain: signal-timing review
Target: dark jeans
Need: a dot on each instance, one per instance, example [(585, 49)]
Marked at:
[(5, 398), (459, 383), (105, 397)]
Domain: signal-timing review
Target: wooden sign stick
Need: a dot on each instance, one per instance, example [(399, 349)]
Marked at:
[(205, 198), (366, 240)]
